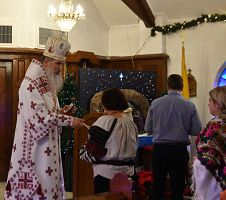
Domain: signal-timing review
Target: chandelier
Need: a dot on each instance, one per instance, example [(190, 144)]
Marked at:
[(66, 17)]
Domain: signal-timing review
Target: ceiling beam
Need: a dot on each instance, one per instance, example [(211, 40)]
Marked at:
[(142, 10)]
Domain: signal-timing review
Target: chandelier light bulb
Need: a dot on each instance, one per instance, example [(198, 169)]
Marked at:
[(80, 9), (51, 10), (66, 17)]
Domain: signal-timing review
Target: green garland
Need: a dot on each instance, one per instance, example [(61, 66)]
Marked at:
[(172, 28)]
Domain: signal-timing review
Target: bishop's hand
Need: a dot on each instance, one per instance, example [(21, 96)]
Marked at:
[(77, 122), (68, 109)]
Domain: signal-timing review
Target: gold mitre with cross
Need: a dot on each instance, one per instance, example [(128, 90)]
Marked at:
[(57, 48)]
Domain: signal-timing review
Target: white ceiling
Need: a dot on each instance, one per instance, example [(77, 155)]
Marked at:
[(116, 13)]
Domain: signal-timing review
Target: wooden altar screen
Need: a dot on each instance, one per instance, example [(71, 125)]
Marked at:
[(82, 172), (149, 62)]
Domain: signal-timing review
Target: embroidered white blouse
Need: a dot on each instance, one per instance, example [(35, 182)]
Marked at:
[(121, 145)]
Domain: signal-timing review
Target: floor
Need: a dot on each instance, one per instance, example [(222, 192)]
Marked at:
[(69, 195), (2, 189)]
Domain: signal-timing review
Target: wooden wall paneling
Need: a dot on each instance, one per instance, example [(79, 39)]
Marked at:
[(16, 85), (2, 118), (154, 62), (72, 68), (81, 56), (21, 70), (5, 117), (158, 66), (27, 63), (128, 65), (9, 107)]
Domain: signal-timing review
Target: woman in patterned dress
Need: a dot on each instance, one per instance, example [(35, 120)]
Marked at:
[(209, 166)]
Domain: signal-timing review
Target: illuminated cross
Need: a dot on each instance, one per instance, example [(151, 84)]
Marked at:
[(121, 76)]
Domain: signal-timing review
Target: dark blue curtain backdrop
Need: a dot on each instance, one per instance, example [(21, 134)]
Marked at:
[(94, 80)]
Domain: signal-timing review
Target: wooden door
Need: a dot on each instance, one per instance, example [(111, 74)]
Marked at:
[(6, 105), (11, 76)]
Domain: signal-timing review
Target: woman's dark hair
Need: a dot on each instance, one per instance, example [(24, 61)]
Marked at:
[(175, 82), (114, 99)]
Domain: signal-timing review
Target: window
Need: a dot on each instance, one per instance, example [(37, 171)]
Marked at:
[(221, 76), (5, 34), (222, 79)]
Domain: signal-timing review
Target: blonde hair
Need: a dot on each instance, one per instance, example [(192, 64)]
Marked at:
[(218, 95)]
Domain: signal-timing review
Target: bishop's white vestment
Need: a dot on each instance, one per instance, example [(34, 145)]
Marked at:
[(35, 168)]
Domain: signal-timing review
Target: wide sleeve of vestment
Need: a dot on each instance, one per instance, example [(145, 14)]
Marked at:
[(33, 109)]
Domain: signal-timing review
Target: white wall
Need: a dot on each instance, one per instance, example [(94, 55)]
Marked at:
[(27, 16), (152, 45), (123, 40), (91, 34), (135, 39), (205, 52)]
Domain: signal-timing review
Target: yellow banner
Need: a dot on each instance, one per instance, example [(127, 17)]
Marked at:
[(185, 91)]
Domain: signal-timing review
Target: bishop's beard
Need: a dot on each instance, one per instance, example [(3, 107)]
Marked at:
[(55, 80)]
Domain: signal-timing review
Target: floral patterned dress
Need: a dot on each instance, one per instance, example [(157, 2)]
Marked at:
[(211, 149)]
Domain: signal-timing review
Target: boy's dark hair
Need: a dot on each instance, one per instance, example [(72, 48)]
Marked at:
[(175, 82), (114, 99)]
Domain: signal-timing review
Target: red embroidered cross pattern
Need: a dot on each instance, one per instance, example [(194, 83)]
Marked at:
[(48, 151), (33, 104), (25, 180), (55, 196), (41, 120), (32, 126), (17, 197), (63, 118), (30, 88), (49, 171), (42, 85)]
